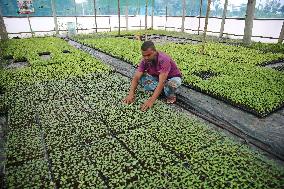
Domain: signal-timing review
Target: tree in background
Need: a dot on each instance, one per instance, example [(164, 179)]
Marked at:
[(271, 9), (282, 11), (217, 8), (237, 11), (264, 8)]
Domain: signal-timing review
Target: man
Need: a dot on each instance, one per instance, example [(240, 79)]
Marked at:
[(156, 72)]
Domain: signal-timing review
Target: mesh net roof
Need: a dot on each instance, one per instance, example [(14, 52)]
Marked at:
[(264, 9)]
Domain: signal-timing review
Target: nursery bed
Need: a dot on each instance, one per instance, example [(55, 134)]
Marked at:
[(67, 127), (232, 73), (268, 130)]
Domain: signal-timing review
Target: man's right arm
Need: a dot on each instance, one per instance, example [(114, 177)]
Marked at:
[(134, 83)]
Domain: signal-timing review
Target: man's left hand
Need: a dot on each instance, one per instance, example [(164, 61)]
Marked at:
[(147, 104)]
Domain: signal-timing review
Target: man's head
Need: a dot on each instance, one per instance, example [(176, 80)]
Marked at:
[(148, 50)]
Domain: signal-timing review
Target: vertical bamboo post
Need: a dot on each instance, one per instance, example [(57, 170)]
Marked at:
[(223, 19), (118, 12), (200, 12), (95, 11), (53, 7), (249, 22), (183, 15), (205, 27)]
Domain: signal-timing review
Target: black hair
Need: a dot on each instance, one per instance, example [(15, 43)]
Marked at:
[(148, 44)]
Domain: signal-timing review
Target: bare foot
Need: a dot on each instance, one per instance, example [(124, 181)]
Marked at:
[(149, 92), (171, 99)]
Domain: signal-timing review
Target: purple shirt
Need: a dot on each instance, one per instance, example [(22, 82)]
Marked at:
[(165, 64)]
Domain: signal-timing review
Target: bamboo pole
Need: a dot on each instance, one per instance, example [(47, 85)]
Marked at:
[(249, 22), (166, 17), (76, 23), (146, 15), (152, 15), (95, 11), (54, 16), (205, 27), (3, 31), (109, 23), (118, 12), (126, 15), (281, 35), (30, 25), (223, 19), (200, 12), (183, 15)]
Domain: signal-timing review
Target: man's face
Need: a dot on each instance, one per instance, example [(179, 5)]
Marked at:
[(149, 55)]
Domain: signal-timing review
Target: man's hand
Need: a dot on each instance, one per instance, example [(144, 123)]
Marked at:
[(129, 99), (147, 104)]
